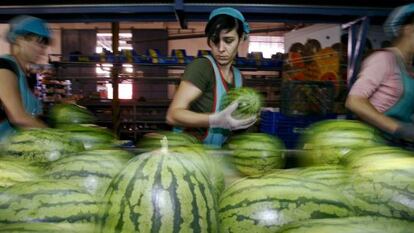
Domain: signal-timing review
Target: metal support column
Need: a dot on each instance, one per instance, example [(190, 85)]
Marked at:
[(179, 13), (115, 79), (357, 33)]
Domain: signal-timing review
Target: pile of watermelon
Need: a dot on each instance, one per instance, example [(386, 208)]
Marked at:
[(80, 125), (50, 182)]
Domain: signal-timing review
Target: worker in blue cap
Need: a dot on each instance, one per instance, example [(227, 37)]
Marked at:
[(28, 37), (383, 94), (196, 104)]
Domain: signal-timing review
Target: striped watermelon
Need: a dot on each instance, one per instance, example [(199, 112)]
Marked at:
[(264, 204), (92, 170), (334, 176), (151, 141), (364, 224), (327, 142), (14, 170), (70, 114), (41, 145), (45, 227), (383, 183), (210, 165), (256, 153), (250, 102), (47, 201), (160, 191), (364, 157), (91, 136)]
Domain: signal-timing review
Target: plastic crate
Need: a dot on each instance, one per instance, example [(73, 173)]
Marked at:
[(303, 98), (181, 56), (289, 128)]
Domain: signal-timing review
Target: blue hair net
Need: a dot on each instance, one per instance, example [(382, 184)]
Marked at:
[(397, 17), (232, 12), (22, 25)]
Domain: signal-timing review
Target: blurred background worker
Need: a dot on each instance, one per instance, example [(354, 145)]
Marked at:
[(29, 37), (383, 94), (196, 103)]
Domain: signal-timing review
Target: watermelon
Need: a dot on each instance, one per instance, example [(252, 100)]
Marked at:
[(335, 176), (256, 153), (151, 141), (382, 183), (47, 201), (91, 136), (250, 102), (265, 203), (70, 114), (92, 170), (14, 170), (210, 165), (364, 224), (327, 142), (160, 191), (41, 145), (45, 227), (364, 157)]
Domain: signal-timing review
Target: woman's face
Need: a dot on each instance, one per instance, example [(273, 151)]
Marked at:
[(32, 49), (226, 48)]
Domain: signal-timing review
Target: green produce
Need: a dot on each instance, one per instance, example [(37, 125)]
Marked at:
[(264, 204), (334, 176), (90, 135), (256, 153), (14, 170), (44, 227), (47, 201), (209, 164), (350, 225), (328, 142), (151, 141), (250, 102), (160, 191), (383, 182), (41, 145), (92, 170), (70, 114)]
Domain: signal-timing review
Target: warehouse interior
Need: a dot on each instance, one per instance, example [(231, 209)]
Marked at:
[(86, 28), (108, 159)]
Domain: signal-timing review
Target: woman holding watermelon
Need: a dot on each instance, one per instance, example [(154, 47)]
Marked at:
[(196, 103), (28, 37), (383, 95)]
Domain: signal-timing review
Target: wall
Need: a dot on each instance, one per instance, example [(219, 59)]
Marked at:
[(326, 34)]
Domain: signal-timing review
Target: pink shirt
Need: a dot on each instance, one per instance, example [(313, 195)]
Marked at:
[(379, 80)]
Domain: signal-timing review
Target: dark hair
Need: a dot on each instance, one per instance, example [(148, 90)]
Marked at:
[(222, 22), (40, 39), (409, 20)]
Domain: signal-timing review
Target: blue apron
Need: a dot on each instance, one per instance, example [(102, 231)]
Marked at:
[(215, 137), (403, 109), (30, 102)]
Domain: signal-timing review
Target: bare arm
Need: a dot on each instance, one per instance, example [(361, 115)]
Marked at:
[(179, 114), (12, 102), (367, 112)]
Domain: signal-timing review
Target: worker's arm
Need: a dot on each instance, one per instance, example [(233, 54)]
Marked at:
[(12, 102), (180, 115), (367, 112)]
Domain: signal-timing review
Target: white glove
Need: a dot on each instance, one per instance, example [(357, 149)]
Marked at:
[(225, 120)]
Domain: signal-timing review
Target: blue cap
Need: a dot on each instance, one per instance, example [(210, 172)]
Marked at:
[(397, 17), (22, 25), (232, 12)]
